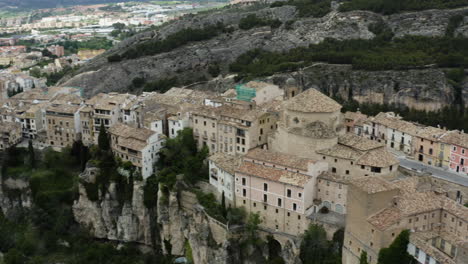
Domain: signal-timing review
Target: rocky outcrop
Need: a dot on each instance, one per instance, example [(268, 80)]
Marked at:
[(425, 89), (106, 218), (190, 62), (15, 196), (183, 220)]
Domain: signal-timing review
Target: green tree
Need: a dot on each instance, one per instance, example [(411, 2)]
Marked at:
[(316, 249), (363, 258), (103, 139), (223, 205), (252, 225), (32, 156), (397, 251)]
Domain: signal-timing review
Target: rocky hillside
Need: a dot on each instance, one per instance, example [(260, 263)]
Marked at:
[(423, 88), (175, 224)]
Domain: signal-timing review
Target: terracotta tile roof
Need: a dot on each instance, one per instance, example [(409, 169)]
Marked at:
[(359, 143), (380, 157), (340, 151), (373, 184), (277, 175), (431, 133), (354, 116), (279, 158), (410, 202), (456, 138), (126, 131), (333, 177), (422, 240), (385, 218), (226, 162), (63, 108), (313, 101)]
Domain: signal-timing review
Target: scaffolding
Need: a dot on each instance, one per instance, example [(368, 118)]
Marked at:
[(245, 93)]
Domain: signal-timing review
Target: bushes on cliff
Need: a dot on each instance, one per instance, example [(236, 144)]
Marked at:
[(375, 54), (396, 6), (307, 8), (252, 21), (181, 156), (171, 42)]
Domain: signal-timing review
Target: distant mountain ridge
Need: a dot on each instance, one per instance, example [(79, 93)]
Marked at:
[(35, 4)]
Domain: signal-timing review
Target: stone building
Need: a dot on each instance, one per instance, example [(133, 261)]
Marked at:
[(62, 124), (232, 129), (309, 122), (455, 151), (11, 134), (140, 146), (279, 187), (355, 156), (378, 210), (222, 169), (427, 145), (103, 109)]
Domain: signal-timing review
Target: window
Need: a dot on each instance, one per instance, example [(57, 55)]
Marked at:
[(276, 211), (299, 195), (244, 192), (334, 170), (347, 171), (265, 187), (279, 202), (243, 181), (288, 193), (265, 198), (294, 206)]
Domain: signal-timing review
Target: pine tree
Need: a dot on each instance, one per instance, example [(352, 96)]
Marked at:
[(363, 258), (103, 139), (32, 155), (223, 205)]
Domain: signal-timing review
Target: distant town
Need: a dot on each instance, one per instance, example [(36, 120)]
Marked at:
[(37, 49)]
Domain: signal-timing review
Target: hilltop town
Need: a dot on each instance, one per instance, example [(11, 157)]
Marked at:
[(288, 155)]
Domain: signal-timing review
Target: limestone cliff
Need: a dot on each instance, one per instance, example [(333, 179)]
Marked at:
[(423, 89), (15, 196), (106, 218), (178, 223), (183, 220)]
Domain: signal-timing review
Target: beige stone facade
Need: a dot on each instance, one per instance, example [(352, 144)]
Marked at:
[(378, 210), (11, 134), (279, 187), (230, 129), (308, 123), (62, 125)]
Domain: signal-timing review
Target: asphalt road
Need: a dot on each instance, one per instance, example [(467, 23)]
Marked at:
[(434, 171)]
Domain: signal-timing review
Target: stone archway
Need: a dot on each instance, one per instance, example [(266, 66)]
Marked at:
[(274, 251)]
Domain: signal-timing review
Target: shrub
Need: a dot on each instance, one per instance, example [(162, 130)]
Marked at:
[(214, 70), (252, 21)]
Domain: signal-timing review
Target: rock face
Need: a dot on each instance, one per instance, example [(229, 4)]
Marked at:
[(183, 221), (190, 62), (426, 89), (15, 196), (180, 221), (107, 219)]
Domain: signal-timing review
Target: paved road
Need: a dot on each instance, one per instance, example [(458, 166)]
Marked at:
[(435, 171)]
